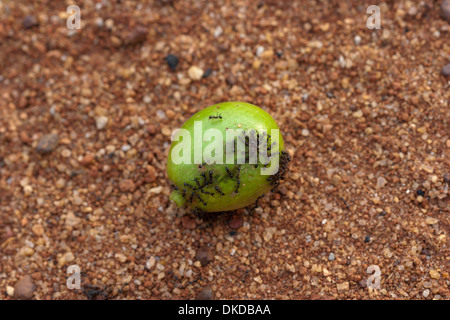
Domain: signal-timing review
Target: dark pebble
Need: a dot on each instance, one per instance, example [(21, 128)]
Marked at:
[(445, 10), (172, 61), (236, 221), (420, 192), (207, 73), (30, 22), (204, 255), (382, 214), (362, 283), (24, 288), (447, 177), (446, 70), (205, 294), (138, 35), (47, 143), (230, 80)]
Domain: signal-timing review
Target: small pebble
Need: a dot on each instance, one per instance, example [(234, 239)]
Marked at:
[(205, 294), (150, 262), (431, 220), (65, 259), (101, 122), (47, 143), (151, 173), (207, 73), (331, 257), (195, 73), (172, 61), (38, 230), (445, 10), (434, 274), (138, 35), (236, 221), (362, 283), (204, 255), (188, 222), (343, 286), (126, 148), (9, 291), (218, 31), (381, 182), (127, 185), (30, 22), (87, 160), (259, 51), (446, 70), (24, 288)]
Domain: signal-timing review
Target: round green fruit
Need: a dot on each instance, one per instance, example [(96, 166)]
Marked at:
[(226, 157)]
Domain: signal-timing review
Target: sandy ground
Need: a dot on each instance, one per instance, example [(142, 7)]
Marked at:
[(86, 118)]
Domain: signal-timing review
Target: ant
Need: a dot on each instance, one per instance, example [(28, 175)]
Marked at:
[(191, 198), (98, 292), (206, 192), (220, 191), (238, 180), (188, 185), (210, 177), (229, 172), (201, 200), (215, 117), (205, 179)]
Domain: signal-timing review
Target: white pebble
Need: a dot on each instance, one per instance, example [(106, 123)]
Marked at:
[(150, 262), (259, 51), (101, 122), (9, 291), (195, 73), (218, 31)]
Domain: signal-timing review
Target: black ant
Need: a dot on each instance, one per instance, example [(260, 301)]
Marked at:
[(205, 179), (215, 117), (93, 292), (201, 200), (229, 172), (238, 180), (220, 191), (192, 196), (97, 292), (206, 192), (188, 185), (210, 177)]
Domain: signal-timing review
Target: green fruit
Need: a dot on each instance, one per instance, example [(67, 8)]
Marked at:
[(202, 182)]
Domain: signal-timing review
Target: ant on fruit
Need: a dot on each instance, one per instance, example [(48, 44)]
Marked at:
[(238, 180), (215, 117), (229, 172), (220, 191)]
